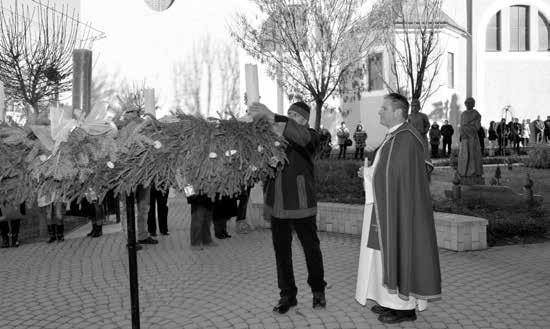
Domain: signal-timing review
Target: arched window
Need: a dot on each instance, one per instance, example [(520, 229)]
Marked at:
[(492, 42), (519, 28), (544, 33)]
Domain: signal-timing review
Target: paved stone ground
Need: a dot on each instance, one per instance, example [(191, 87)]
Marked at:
[(83, 283)]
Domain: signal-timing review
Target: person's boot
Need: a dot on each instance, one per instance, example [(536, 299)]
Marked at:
[(14, 240), (59, 233), (51, 232), (92, 232), (5, 241), (15, 233), (98, 231)]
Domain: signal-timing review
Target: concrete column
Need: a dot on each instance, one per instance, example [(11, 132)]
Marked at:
[(82, 80)]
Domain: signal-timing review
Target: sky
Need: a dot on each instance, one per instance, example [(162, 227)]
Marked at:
[(141, 44)]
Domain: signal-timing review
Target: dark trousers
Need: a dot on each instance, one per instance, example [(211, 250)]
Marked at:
[(447, 146), (501, 144), (201, 219), (158, 208), (359, 153), (435, 150), (482, 146), (243, 203), (546, 136), (5, 227), (515, 142), (342, 153), (306, 230), (99, 213)]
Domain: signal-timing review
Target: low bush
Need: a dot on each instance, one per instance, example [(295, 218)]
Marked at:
[(538, 157), (504, 224), (337, 181)]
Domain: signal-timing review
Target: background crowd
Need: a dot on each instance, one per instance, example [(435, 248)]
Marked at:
[(494, 140)]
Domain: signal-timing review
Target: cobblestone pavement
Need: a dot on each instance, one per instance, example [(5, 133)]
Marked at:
[(83, 283)]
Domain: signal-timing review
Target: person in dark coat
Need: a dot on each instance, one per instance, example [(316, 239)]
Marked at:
[(502, 133), (435, 135), (481, 135), (493, 137), (515, 134), (547, 129), (360, 139), (447, 132), (290, 203)]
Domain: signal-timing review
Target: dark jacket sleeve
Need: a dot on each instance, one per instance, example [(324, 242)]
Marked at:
[(295, 133)]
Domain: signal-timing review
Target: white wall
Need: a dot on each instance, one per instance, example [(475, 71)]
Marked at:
[(521, 79)]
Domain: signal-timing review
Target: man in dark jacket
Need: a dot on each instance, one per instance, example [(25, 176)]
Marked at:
[(502, 133), (447, 132), (290, 202)]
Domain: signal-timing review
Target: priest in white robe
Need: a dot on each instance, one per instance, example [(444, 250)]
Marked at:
[(399, 260)]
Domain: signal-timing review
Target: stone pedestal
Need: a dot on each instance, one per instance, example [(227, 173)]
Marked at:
[(454, 232)]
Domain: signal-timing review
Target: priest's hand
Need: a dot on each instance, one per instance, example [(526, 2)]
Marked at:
[(259, 111), (360, 171)]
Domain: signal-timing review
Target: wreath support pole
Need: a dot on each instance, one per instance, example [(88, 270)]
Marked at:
[(132, 259)]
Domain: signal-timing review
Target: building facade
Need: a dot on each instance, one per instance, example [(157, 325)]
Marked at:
[(496, 51)]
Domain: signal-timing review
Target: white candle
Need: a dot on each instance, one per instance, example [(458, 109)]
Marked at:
[(252, 85), (149, 100)]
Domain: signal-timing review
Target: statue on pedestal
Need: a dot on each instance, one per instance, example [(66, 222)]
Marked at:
[(421, 122), (470, 167)]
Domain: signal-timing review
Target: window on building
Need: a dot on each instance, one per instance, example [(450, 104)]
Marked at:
[(375, 67), (544, 33), (451, 70), (519, 28), (493, 34)]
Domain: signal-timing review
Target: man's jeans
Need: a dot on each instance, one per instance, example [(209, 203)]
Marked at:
[(306, 230)]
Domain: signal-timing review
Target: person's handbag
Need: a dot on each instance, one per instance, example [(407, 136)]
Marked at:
[(348, 142)]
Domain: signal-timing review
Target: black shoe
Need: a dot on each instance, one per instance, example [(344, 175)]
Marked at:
[(59, 233), (5, 242), (92, 231), (51, 231), (221, 236), (285, 304), (14, 241), (98, 231), (319, 300), (397, 316), (378, 309), (149, 240), (165, 233)]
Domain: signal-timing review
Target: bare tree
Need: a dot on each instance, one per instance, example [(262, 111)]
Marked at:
[(36, 46), (229, 73), (187, 81), (314, 48), (209, 72), (412, 39)]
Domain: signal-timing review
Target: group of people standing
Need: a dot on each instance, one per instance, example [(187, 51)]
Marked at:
[(398, 243)]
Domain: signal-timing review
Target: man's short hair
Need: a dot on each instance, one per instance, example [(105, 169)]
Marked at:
[(399, 101)]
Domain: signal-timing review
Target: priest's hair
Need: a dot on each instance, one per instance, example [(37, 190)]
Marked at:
[(399, 101)]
